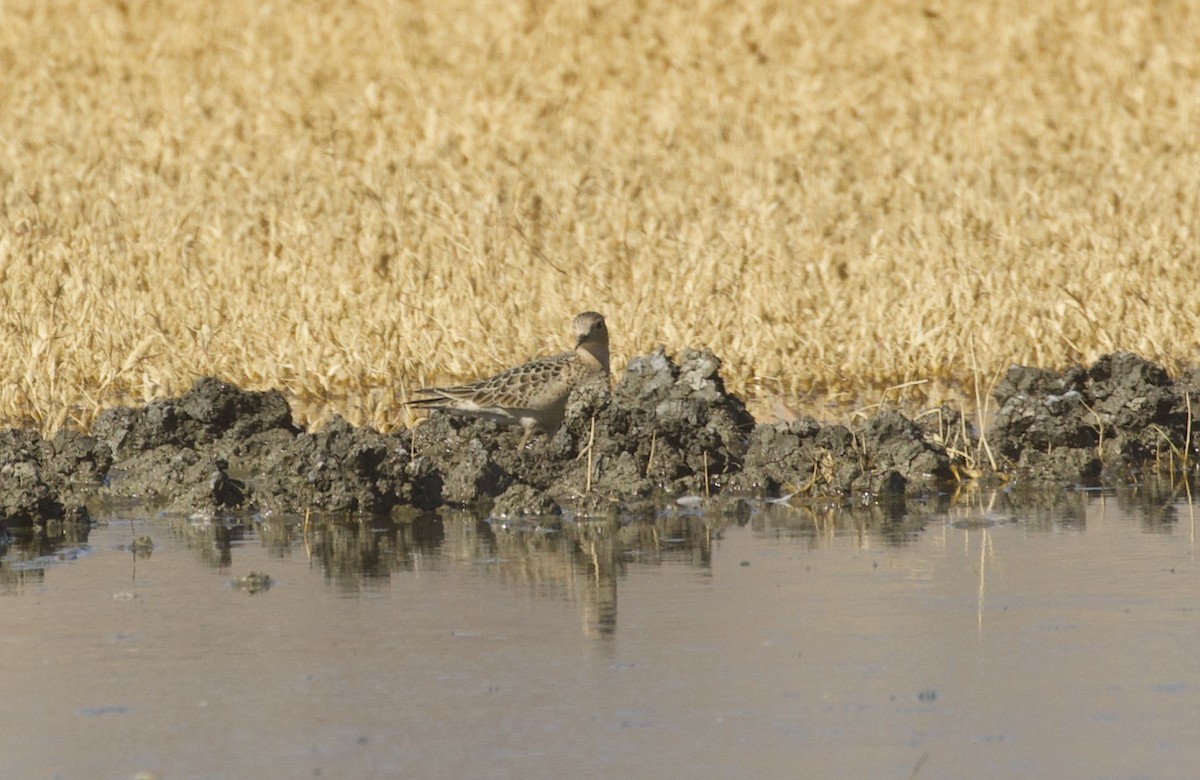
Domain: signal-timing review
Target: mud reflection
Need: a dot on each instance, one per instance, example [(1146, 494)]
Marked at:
[(212, 539), (354, 552), (928, 624), (1157, 505), (359, 555), (25, 554), (580, 561)]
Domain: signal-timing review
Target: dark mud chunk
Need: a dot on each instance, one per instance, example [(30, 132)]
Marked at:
[(473, 475), (943, 423), (1044, 426), (125, 429), (620, 476), (1124, 374), (77, 457), (890, 455), (30, 493), (1036, 382), (26, 500), (180, 478), (218, 447), (1131, 394), (337, 469), (1138, 406), (595, 435), (695, 399), (781, 458), (522, 500), (74, 464), (224, 409), (210, 410), (464, 452), (1064, 465), (1104, 422), (665, 426), (901, 458), (211, 495), (1043, 422), (1050, 438), (648, 377), (426, 483), (1189, 383)]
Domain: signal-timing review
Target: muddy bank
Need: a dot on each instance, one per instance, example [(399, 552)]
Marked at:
[(668, 428), (1109, 423)]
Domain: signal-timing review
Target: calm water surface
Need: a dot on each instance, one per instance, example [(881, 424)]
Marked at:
[(1056, 640)]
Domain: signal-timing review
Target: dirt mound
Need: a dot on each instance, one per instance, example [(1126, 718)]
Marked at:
[(1108, 422), (220, 448), (667, 429), (890, 455)]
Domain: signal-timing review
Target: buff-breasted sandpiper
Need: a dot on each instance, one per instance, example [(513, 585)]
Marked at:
[(532, 395)]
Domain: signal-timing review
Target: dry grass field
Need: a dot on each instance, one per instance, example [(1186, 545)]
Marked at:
[(347, 199)]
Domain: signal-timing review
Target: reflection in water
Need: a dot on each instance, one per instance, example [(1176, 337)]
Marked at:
[(1156, 505), (1044, 510), (582, 562), (355, 553), (577, 562), (25, 554), (212, 538), (951, 637), (894, 523), (361, 554)]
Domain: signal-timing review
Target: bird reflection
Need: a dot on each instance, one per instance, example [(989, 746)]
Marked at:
[(580, 561)]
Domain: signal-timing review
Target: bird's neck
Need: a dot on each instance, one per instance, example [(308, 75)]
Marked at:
[(594, 355)]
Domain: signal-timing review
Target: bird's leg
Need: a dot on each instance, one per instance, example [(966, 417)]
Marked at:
[(524, 438)]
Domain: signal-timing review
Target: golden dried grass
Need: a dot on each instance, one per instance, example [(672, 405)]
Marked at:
[(344, 200)]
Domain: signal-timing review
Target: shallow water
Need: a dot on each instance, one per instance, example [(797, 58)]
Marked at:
[(1058, 640)]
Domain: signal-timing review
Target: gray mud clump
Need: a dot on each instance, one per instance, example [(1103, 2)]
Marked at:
[(217, 448), (39, 480), (666, 429), (178, 452), (1084, 426), (891, 455)]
